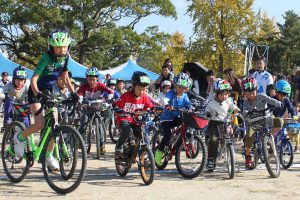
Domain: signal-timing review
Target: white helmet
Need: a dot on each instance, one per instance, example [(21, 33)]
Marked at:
[(165, 83)]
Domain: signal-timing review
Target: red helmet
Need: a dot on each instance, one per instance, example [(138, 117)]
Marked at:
[(249, 84)]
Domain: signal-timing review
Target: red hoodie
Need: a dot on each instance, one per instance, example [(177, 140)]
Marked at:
[(93, 92)]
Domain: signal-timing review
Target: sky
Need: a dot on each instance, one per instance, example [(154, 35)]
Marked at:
[(273, 8)]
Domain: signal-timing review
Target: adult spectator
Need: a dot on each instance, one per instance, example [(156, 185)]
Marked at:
[(262, 77), (4, 79), (166, 74), (106, 79), (168, 62), (211, 79), (235, 83), (120, 87)]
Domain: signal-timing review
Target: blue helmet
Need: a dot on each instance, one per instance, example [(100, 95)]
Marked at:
[(93, 71), (283, 86), (20, 73)]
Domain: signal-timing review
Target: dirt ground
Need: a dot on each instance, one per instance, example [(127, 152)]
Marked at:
[(102, 181)]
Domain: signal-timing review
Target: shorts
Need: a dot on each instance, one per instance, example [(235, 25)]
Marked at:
[(278, 122), (32, 98)]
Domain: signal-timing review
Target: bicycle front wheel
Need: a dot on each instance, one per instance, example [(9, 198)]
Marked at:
[(191, 157), (270, 156), (15, 167), (286, 154), (146, 165), (230, 160), (70, 155), (114, 132)]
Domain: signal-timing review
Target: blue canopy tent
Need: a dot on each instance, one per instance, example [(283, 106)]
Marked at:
[(8, 66), (77, 70), (126, 70)]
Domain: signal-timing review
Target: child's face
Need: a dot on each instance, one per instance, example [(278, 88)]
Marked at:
[(113, 87), (180, 90), (92, 80), (222, 96), (19, 83), (281, 96), (272, 92), (61, 51), (61, 83), (120, 85), (166, 89), (251, 95), (140, 90)]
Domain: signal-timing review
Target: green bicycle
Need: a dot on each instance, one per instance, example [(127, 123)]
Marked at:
[(68, 150)]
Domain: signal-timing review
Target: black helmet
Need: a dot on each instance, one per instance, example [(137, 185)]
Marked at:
[(120, 80), (140, 78), (111, 82)]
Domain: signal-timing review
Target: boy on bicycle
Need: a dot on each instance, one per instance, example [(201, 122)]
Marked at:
[(258, 102), (178, 99), (53, 64), (219, 108), (132, 101), (93, 90), (16, 92)]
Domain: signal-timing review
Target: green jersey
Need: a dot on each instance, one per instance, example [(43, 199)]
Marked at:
[(49, 70)]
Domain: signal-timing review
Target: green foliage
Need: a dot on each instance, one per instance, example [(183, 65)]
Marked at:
[(25, 24)]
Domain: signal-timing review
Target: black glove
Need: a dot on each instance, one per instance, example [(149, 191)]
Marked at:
[(42, 97), (75, 96)]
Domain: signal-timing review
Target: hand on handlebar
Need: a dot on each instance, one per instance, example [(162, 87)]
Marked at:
[(75, 96), (42, 97), (169, 107)]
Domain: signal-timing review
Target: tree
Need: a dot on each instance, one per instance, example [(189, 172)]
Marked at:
[(289, 43), (25, 24), (219, 27)]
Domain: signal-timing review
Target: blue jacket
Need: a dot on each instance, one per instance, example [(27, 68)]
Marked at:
[(177, 103), (285, 105), (116, 94)]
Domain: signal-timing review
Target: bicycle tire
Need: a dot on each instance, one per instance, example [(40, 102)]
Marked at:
[(8, 142), (114, 133), (143, 165), (58, 136), (269, 149), (89, 139), (230, 160), (195, 142), (97, 127), (103, 131), (286, 145), (155, 143), (121, 166)]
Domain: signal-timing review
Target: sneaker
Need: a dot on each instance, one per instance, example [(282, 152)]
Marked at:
[(119, 152), (102, 150), (18, 146), (52, 164), (249, 163), (210, 164), (158, 157)]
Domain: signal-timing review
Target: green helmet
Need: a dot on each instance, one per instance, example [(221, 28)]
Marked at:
[(58, 38)]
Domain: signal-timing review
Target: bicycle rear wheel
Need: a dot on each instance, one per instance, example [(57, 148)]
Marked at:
[(270, 156), (191, 157), (122, 166), (15, 167), (230, 160), (146, 165), (71, 158), (286, 154)]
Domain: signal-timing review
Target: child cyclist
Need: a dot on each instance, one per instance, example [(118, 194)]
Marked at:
[(93, 90), (111, 83), (254, 101), (178, 99), (283, 90), (165, 87), (218, 108), (16, 92), (52, 65), (132, 101)]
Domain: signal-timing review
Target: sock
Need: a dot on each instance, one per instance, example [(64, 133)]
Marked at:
[(49, 154), (21, 137)]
